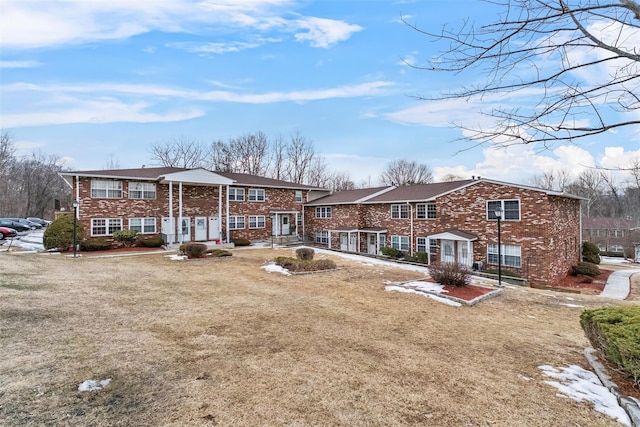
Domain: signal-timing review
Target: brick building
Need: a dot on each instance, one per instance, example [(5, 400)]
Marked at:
[(456, 221), (612, 235), (188, 204)]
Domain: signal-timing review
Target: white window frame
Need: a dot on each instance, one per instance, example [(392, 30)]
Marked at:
[(421, 244), (142, 190), (236, 194), (511, 255), (110, 226), (426, 210), (147, 225), (257, 195), (322, 237), (111, 189), (257, 221), (433, 246), (507, 215), (323, 212), (400, 243), (235, 222), (299, 196), (400, 211)]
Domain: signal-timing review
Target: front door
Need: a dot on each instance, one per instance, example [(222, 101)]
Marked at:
[(464, 257), (371, 247), (169, 229), (352, 242), (201, 228), (448, 252), (185, 229), (285, 225), (214, 228), (344, 241)]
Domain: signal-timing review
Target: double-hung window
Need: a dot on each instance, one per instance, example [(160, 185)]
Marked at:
[(105, 226), (426, 211), (143, 225), (399, 211), (142, 190), (298, 196), (236, 222), (510, 209), (323, 212), (421, 244), (256, 195), (257, 221), (400, 243), (511, 255), (101, 189), (236, 194), (322, 237)]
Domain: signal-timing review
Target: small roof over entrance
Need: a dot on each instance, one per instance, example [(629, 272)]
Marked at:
[(454, 234), (196, 177), (354, 229)]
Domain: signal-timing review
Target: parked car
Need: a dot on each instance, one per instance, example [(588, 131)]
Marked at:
[(4, 222), (43, 222), (7, 232), (24, 221)]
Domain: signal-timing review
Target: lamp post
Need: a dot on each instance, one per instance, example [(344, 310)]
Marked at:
[(498, 214), (75, 227)]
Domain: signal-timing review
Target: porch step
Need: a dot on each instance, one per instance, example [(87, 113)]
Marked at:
[(286, 240)]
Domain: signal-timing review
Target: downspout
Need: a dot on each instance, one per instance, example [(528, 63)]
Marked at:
[(220, 211), (411, 229), (227, 213), (78, 196), (580, 242), (172, 223), (180, 212)]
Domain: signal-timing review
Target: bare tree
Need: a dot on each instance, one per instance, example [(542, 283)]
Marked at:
[(556, 180), (577, 59), (7, 150), (589, 185), (278, 158), (251, 152), (180, 153), (300, 154), (340, 181), (112, 163), (406, 172)]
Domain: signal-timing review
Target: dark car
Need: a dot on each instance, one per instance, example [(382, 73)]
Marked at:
[(14, 224), (23, 221), (43, 222), (7, 232)]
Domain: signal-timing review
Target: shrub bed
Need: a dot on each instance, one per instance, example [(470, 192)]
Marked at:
[(590, 253), (59, 234), (585, 269), (126, 237), (389, 251), (151, 242), (241, 242), (217, 253), (95, 245), (194, 250), (449, 274), (305, 253), (296, 265), (615, 331)]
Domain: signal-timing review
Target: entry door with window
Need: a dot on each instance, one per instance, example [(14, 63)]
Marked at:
[(371, 247), (214, 228), (201, 228), (447, 251), (285, 225), (185, 229), (344, 241)]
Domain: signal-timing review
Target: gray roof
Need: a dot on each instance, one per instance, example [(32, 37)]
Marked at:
[(348, 196), (418, 192)]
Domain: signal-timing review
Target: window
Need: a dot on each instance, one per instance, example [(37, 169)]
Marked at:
[(401, 243), (299, 196), (142, 190), (257, 221), (426, 211), (236, 222), (106, 189), (433, 246), (236, 194), (511, 255), (143, 225), (421, 244), (399, 211), (616, 248), (105, 226), (323, 212), (322, 237), (256, 195), (510, 209)]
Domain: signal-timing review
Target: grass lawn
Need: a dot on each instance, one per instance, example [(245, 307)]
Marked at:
[(223, 342)]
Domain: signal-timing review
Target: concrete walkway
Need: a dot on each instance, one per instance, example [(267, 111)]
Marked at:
[(618, 284)]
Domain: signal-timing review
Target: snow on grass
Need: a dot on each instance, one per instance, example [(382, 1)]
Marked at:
[(573, 305), (413, 291), (579, 384), (274, 268), (176, 257), (93, 385)]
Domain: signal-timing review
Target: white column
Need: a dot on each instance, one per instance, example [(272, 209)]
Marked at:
[(180, 212), (227, 222), (171, 221), (220, 211)]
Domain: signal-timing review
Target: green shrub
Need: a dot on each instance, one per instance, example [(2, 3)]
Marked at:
[(298, 265), (389, 251), (504, 272), (151, 242), (585, 269), (613, 254), (126, 237), (241, 242), (449, 274), (95, 245), (590, 253), (422, 257), (305, 253), (615, 331), (216, 253), (59, 234), (194, 250)]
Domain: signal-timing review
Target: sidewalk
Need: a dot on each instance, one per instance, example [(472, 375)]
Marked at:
[(618, 284)]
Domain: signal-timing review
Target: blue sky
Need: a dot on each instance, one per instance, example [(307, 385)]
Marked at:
[(91, 81)]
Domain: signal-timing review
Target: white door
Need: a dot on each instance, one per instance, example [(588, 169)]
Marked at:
[(214, 228), (185, 229), (447, 248), (464, 257), (344, 241), (371, 248), (352, 243), (169, 228), (285, 225), (201, 228)]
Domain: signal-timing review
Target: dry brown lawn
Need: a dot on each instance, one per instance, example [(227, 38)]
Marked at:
[(223, 342)]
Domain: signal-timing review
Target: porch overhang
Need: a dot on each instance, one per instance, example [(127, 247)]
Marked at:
[(454, 235), (195, 177)]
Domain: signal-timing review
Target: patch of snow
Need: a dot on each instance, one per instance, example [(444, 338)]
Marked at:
[(613, 260), (524, 378), (176, 257), (579, 384), (573, 305), (531, 317), (93, 385), (570, 299), (274, 268), (413, 291)]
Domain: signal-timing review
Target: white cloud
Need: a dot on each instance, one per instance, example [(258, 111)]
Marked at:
[(321, 32), (19, 64)]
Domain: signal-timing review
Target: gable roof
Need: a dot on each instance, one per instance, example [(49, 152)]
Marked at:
[(349, 196), (260, 181), (419, 192)]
